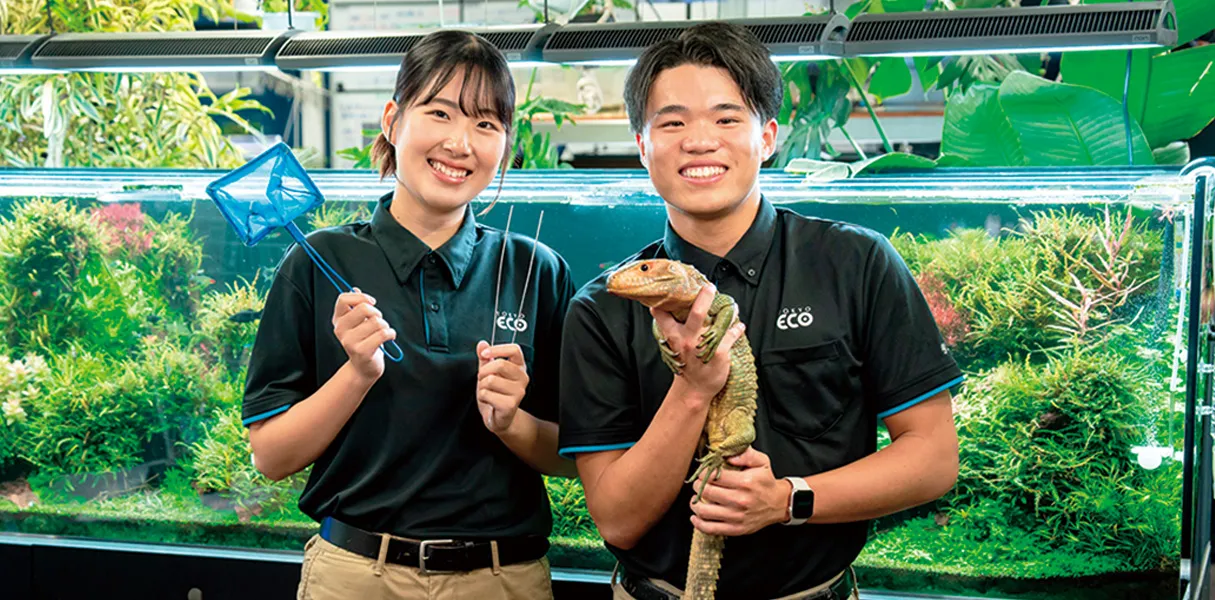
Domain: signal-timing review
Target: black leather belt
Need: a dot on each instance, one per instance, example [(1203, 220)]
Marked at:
[(434, 555), (641, 588)]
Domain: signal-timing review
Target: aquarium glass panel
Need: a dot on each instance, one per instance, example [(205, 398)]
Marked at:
[(128, 307)]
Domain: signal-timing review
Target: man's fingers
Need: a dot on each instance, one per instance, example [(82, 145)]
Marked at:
[(728, 338), (666, 323), (714, 512), (725, 497), (715, 527), (730, 480), (700, 307), (749, 459)]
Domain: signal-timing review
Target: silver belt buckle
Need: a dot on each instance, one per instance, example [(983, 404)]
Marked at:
[(422, 547)]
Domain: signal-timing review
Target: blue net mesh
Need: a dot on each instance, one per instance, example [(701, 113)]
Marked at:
[(270, 191)]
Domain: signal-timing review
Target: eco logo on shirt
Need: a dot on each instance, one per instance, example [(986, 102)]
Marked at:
[(794, 318), (511, 322)]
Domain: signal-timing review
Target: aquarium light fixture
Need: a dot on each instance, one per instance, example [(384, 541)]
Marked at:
[(343, 50), (1014, 30), (802, 38), (15, 53), (241, 50)]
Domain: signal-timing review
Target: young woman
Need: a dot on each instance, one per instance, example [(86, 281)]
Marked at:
[(425, 472)]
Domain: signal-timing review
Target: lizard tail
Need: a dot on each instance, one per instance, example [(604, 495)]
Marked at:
[(703, 564)]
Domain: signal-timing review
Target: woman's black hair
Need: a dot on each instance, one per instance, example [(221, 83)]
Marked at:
[(431, 64)]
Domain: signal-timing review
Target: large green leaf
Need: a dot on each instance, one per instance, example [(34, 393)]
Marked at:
[(1061, 124), (896, 6), (1105, 70), (893, 160), (1172, 95), (1181, 95), (929, 70), (828, 170), (1194, 18), (891, 78), (977, 130)]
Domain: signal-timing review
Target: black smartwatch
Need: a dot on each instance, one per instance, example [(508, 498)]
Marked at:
[(801, 501)]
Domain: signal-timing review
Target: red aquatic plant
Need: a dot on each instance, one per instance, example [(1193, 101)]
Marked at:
[(122, 227), (950, 320)]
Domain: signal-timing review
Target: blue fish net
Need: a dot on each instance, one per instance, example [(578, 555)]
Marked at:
[(270, 191)]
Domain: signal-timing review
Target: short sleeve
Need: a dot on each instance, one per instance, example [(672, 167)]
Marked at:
[(542, 399), (598, 410), (906, 359), (282, 363)]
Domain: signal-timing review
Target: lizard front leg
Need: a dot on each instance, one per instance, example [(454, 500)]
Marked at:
[(717, 322), (738, 428)]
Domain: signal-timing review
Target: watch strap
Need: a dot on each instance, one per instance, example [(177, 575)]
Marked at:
[(799, 485)]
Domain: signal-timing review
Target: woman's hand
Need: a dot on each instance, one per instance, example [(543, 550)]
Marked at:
[(361, 329), (501, 384)]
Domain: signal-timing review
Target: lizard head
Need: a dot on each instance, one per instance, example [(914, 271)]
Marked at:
[(666, 284)]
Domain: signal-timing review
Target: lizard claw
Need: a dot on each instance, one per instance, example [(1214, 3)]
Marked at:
[(713, 462)]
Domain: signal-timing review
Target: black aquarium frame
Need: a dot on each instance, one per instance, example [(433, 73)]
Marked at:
[(1197, 491)]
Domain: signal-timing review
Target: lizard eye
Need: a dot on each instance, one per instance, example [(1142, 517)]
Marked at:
[(645, 267)]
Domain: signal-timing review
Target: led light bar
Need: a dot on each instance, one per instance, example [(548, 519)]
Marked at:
[(801, 38), (1014, 30), (340, 50), (161, 51), (15, 53)]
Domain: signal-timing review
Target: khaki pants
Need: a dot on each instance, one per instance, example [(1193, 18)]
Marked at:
[(618, 592), (332, 573)]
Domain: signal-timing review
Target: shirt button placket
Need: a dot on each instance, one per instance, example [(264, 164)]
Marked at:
[(434, 303)]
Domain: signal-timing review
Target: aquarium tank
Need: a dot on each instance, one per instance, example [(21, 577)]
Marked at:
[(128, 307)]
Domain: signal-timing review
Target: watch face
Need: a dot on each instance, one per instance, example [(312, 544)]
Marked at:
[(803, 504)]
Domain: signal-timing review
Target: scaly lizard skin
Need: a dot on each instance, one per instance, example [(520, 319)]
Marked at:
[(730, 428)]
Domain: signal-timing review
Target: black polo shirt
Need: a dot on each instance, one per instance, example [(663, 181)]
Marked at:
[(415, 458), (842, 337)]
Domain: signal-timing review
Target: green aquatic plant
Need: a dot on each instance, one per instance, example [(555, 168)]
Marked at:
[(86, 420), (1050, 445), (222, 462), (56, 284), (1058, 277), (172, 267), (227, 324), (20, 381), (331, 215), (179, 387), (571, 518)]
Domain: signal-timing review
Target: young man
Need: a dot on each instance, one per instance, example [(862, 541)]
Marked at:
[(841, 334)]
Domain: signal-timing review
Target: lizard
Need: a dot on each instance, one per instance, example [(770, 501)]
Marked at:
[(730, 427)]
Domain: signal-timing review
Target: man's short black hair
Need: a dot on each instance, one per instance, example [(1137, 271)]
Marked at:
[(715, 44)]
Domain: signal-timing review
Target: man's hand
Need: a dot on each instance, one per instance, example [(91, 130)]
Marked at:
[(704, 380), (501, 384), (742, 502)]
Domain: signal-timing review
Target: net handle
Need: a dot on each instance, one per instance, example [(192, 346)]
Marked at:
[(334, 278)]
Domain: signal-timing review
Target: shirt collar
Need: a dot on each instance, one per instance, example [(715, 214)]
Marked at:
[(404, 250), (747, 256)]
